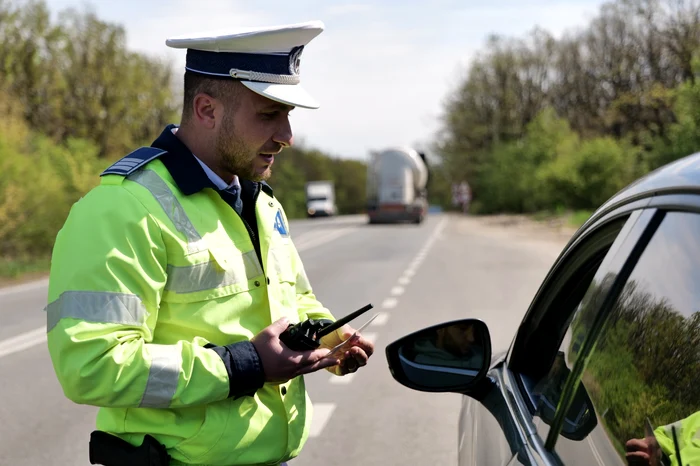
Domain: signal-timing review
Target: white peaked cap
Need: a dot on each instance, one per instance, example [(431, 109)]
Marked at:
[(266, 60)]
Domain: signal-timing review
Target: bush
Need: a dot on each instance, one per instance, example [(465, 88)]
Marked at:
[(39, 181), (552, 169), (587, 176)]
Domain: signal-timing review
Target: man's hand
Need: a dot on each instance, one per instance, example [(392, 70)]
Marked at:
[(281, 363), (642, 451), (353, 355)]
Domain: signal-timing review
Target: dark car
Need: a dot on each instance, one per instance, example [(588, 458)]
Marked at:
[(608, 351)]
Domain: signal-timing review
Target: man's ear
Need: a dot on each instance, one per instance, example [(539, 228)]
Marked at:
[(204, 109)]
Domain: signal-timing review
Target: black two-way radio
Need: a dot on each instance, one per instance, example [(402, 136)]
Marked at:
[(307, 335)]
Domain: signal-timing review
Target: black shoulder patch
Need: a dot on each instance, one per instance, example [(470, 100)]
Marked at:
[(133, 161)]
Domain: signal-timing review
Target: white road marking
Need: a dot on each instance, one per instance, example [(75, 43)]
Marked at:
[(382, 318), (322, 413), (390, 303), (596, 453), (423, 253), (22, 341)]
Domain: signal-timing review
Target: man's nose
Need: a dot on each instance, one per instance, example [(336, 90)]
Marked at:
[(284, 135)]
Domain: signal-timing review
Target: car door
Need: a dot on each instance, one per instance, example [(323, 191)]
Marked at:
[(642, 355), (510, 422)]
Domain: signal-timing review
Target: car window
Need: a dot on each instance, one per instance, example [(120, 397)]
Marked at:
[(594, 270), (645, 366)]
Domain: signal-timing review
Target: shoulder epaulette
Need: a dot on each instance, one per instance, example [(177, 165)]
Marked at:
[(133, 161)]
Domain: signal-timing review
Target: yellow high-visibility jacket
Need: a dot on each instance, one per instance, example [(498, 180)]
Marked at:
[(148, 286), (688, 436)]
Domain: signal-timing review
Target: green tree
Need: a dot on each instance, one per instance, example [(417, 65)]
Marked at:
[(623, 89)]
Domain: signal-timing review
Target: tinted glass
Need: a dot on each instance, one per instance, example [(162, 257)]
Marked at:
[(583, 295), (546, 393), (644, 372)]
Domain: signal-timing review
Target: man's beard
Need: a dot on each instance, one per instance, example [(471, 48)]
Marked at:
[(236, 158)]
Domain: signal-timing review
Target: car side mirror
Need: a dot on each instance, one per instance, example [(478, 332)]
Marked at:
[(580, 418), (450, 357)]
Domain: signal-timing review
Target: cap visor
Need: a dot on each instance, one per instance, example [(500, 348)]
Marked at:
[(293, 95)]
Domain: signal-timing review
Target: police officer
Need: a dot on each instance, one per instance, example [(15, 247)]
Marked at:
[(173, 279)]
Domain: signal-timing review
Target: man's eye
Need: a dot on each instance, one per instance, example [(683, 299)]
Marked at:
[(269, 116)]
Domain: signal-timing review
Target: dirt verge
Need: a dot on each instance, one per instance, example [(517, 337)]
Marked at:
[(548, 236)]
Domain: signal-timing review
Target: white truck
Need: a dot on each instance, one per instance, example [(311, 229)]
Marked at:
[(320, 199), (397, 180)]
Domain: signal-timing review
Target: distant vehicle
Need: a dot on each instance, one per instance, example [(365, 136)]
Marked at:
[(320, 199), (607, 352), (397, 180)]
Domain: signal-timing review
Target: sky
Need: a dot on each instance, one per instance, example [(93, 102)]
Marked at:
[(677, 281), (381, 70)]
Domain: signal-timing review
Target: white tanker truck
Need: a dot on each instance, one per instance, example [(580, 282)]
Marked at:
[(397, 178)]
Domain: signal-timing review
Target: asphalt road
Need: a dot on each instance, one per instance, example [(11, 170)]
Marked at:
[(450, 267)]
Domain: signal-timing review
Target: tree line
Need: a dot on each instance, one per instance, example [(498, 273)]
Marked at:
[(541, 123)]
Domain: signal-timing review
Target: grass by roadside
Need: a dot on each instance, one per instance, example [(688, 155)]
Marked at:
[(571, 219), (14, 271)]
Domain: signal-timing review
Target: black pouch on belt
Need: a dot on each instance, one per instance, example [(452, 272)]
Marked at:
[(109, 450)]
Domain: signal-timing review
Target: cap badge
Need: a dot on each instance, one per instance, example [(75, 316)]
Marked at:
[(295, 59)]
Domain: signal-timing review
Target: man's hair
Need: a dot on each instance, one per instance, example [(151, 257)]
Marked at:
[(225, 89)]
